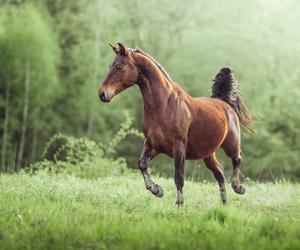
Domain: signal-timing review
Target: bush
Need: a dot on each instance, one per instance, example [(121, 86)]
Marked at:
[(81, 157), (69, 149)]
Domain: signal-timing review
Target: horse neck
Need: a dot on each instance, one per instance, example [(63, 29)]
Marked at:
[(154, 85)]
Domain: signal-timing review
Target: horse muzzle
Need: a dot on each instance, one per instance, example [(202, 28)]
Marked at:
[(106, 96)]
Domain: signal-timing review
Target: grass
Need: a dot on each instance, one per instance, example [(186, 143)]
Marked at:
[(65, 212)]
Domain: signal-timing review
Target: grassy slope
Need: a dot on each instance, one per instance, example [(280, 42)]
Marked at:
[(118, 213)]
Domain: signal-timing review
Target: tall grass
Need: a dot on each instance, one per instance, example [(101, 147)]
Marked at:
[(65, 212)]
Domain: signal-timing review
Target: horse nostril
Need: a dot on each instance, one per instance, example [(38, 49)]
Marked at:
[(102, 96)]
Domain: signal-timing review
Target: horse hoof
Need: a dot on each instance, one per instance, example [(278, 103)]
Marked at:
[(158, 191), (179, 203), (242, 190), (239, 189), (224, 199), (224, 202), (237, 186)]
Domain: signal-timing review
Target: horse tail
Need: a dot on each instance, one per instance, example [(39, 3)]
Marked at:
[(226, 88)]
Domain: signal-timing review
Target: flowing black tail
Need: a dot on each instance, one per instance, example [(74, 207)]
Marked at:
[(226, 88)]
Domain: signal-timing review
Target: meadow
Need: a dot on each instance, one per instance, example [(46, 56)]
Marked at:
[(49, 211)]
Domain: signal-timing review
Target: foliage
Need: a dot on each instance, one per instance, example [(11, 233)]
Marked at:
[(94, 169), (65, 212), (83, 157), (80, 157), (68, 149), (29, 55), (123, 132)]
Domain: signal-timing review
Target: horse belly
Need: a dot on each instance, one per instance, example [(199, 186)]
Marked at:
[(204, 138)]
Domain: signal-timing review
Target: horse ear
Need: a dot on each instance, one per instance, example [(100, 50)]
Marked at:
[(122, 50), (114, 48)]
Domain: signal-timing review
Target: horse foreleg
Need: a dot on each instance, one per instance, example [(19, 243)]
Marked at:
[(179, 153), (147, 155)]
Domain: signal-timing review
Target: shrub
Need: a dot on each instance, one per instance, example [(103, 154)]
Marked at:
[(69, 149), (83, 157)]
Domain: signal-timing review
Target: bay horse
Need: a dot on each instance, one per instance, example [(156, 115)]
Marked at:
[(176, 124)]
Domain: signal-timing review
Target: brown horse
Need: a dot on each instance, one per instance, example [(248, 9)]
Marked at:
[(177, 124)]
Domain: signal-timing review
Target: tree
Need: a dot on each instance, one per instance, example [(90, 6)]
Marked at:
[(30, 55)]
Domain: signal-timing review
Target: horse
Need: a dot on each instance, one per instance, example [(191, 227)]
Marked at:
[(178, 125)]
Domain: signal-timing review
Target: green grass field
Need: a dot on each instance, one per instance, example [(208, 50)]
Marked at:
[(65, 212)]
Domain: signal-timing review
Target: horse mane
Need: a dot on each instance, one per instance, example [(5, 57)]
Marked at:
[(161, 68)]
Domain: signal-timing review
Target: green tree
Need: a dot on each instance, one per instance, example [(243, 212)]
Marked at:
[(29, 56)]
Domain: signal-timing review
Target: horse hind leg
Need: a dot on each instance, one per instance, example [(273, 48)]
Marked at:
[(232, 149), (212, 164), (235, 183)]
